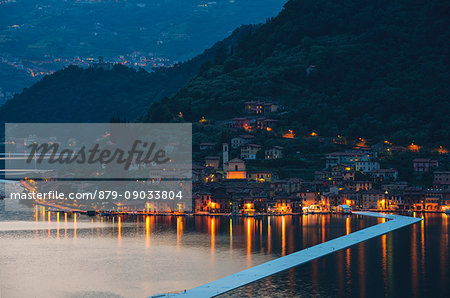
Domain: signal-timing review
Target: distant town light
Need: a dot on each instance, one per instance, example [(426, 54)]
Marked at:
[(414, 148), (289, 135)]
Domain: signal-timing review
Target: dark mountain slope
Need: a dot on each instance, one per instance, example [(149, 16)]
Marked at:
[(96, 95), (376, 69)]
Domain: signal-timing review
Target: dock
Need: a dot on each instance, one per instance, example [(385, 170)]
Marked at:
[(242, 278)]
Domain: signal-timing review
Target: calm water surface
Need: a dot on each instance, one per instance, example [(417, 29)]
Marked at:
[(410, 262), (91, 257)]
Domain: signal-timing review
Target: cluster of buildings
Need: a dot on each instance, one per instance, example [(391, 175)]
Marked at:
[(353, 177), (229, 187)]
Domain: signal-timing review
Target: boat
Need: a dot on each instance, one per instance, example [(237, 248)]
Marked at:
[(343, 209), (305, 210), (447, 211), (314, 209)]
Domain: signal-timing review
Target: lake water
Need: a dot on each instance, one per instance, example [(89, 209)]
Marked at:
[(91, 257)]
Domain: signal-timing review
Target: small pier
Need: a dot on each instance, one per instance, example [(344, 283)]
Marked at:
[(234, 281)]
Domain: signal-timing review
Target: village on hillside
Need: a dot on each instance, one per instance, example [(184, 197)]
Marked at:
[(230, 177)]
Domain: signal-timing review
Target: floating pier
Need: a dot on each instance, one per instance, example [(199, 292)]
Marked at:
[(242, 278)]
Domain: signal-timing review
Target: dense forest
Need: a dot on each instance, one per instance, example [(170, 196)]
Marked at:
[(376, 69), (96, 95), (373, 69)]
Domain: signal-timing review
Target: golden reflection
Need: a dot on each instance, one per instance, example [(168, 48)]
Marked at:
[(213, 234), (49, 221), (283, 235), (249, 241), (261, 246), (147, 231), (75, 225), (384, 259), (36, 213), (323, 228), (269, 236), (57, 228), (119, 228), (179, 230), (347, 225), (231, 234)]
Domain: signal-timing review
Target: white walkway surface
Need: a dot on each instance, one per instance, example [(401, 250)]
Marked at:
[(258, 272)]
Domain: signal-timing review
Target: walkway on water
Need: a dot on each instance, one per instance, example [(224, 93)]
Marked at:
[(253, 274)]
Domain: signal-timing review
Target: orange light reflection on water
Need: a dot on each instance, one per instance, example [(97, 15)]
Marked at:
[(75, 226), (249, 241), (147, 231), (269, 236), (179, 230), (119, 232), (213, 234), (283, 235), (347, 226), (231, 234)]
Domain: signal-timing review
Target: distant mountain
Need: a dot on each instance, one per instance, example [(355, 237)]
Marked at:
[(44, 35), (376, 69), (97, 95), (12, 80)]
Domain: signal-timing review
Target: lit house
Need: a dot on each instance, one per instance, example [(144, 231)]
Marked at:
[(349, 158), (384, 174), (274, 153), (291, 185), (286, 204), (212, 161), (373, 199), (349, 197), (343, 171), (202, 202), (260, 108), (266, 124), (442, 180), (236, 169), (241, 140), (413, 198), (424, 164), (249, 151), (366, 165), (358, 185), (259, 176), (308, 198), (364, 150), (241, 123)]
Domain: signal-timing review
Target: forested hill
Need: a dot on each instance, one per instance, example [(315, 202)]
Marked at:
[(376, 69), (96, 95)]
